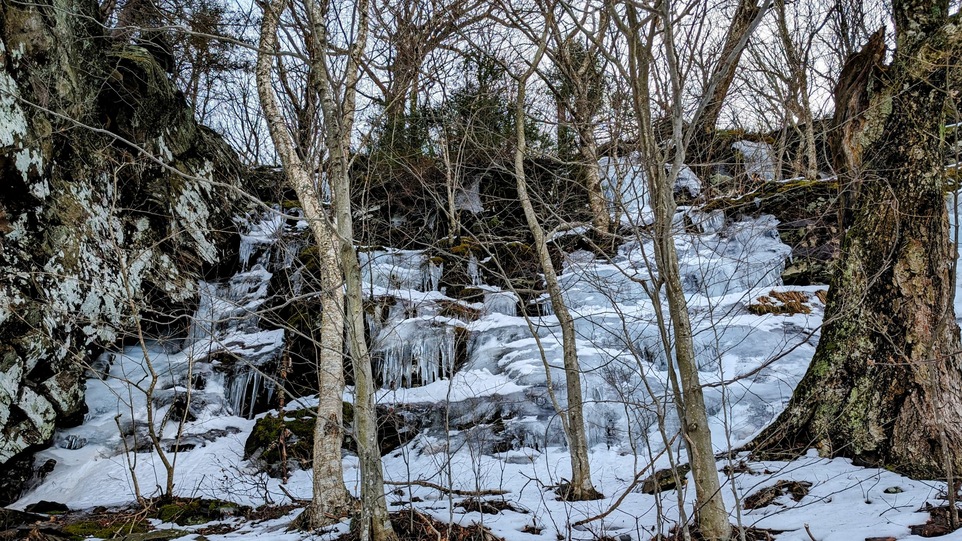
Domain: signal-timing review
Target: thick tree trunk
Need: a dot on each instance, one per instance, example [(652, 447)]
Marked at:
[(885, 385), (330, 500)]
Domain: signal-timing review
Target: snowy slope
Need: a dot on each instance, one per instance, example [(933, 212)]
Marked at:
[(749, 362)]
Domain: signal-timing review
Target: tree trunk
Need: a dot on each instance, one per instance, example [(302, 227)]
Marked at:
[(373, 523), (890, 329), (702, 149), (580, 487), (742, 25), (600, 216), (712, 516), (689, 399), (330, 500)]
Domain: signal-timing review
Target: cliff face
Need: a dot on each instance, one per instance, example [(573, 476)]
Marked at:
[(113, 201)]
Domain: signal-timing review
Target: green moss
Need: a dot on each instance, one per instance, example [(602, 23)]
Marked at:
[(192, 512), (465, 248), (104, 529), (264, 439)]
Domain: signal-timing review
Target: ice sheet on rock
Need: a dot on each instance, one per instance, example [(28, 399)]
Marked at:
[(258, 237), (230, 307), (468, 196), (688, 181), (621, 353), (626, 188), (759, 158), (625, 184), (399, 270), (500, 302), (740, 256)]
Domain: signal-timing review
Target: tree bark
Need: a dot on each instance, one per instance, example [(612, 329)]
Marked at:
[(330, 501), (373, 522), (742, 25), (689, 398), (890, 329), (580, 487)]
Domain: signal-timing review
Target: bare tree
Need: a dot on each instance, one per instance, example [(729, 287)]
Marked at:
[(330, 499), (338, 105), (579, 88), (661, 78), (580, 486), (410, 31)]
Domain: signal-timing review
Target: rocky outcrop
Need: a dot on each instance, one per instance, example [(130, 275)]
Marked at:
[(113, 201)]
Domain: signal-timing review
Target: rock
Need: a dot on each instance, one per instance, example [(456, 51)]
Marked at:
[(191, 512), (87, 221), (768, 496), (396, 426), (72, 442), (156, 535), (21, 472), (663, 480), (47, 507), (807, 211), (10, 518), (17, 525)]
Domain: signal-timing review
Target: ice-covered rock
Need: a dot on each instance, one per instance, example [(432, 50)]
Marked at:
[(625, 184), (95, 240), (758, 158)]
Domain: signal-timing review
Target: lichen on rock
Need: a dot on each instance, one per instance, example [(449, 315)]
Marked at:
[(93, 234)]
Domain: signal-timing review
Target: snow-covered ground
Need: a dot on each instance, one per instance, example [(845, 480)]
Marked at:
[(750, 364)]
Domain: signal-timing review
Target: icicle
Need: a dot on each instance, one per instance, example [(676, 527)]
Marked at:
[(235, 391), (256, 380), (415, 351), (431, 275), (474, 272), (500, 302)]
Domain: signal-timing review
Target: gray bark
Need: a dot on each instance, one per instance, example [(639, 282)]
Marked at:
[(330, 500), (580, 487)]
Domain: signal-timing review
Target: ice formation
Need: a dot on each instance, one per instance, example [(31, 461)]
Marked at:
[(758, 158), (485, 360)]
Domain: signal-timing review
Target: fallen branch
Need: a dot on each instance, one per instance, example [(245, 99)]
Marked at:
[(299, 501), (446, 490)]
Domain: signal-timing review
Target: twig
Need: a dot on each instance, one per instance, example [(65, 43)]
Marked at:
[(298, 501), (611, 509), (809, 532), (446, 490)]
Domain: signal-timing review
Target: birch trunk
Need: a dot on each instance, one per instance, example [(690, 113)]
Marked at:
[(330, 501), (373, 522)]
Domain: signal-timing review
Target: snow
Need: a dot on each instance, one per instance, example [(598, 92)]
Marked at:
[(758, 158), (500, 428)]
